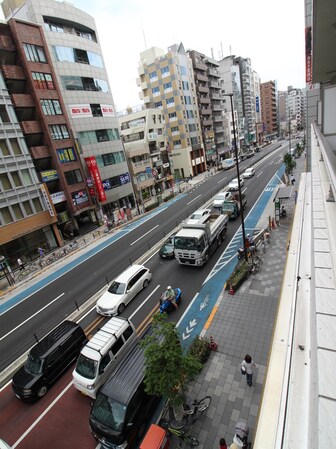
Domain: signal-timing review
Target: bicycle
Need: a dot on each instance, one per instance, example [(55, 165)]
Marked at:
[(183, 436), (254, 264), (198, 407)]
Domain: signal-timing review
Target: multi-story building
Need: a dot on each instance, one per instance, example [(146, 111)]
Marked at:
[(76, 55), (282, 113), (144, 137), (238, 78), (42, 181), (208, 88), (167, 82), (296, 106), (269, 109)]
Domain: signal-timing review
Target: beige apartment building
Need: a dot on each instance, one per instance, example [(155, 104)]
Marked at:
[(144, 137), (167, 83)]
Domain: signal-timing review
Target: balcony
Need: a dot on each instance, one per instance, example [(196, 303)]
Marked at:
[(31, 127), (214, 84), (200, 66), (205, 111), (214, 72), (218, 118), (138, 167), (203, 89), (13, 72), (41, 152), (203, 100), (141, 69), (23, 101), (133, 151), (207, 122), (199, 77)]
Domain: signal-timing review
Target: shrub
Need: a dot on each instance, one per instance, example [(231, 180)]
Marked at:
[(238, 276), (200, 349)]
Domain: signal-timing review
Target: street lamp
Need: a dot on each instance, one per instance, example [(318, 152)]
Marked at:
[(237, 166)]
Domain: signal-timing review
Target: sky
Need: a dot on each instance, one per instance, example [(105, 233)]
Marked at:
[(269, 32)]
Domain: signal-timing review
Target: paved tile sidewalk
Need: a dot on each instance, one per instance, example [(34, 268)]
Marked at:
[(243, 324)]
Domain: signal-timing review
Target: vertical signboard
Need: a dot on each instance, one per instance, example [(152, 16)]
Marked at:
[(94, 172), (308, 55)]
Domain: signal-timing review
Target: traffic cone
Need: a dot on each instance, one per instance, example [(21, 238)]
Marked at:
[(213, 346), (231, 291)]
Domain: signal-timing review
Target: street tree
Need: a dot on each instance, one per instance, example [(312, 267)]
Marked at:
[(167, 368)]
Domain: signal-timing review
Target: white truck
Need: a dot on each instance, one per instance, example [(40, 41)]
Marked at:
[(195, 243)]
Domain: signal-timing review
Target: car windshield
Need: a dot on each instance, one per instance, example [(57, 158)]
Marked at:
[(228, 207), (109, 412), (34, 365), (189, 243), (117, 288), (86, 367), (196, 216)]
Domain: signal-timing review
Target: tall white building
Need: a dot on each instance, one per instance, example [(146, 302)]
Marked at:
[(77, 58)]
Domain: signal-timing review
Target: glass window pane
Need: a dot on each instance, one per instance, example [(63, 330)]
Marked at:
[(17, 211), (27, 207), (6, 215), (37, 205)]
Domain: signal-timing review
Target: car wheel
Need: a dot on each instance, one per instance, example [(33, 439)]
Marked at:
[(121, 308), (145, 283), (42, 391)]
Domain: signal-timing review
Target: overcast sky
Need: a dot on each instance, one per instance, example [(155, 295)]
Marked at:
[(270, 33)]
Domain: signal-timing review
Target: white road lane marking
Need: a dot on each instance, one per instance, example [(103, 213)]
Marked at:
[(143, 235), (25, 321)]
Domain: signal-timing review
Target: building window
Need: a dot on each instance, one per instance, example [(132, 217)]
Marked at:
[(73, 177), (15, 146), (167, 86), (177, 143), (113, 158), (51, 107), (17, 211), (70, 54), (82, 83), (187, 99), (26, 177), (66, 155), (4, 148), (158, 104), (152, 75), (59, 132), (6, 215), (190, 114), (96, 110), (5, 183), (165, 70), (43, 81), (170, 101), (34, 53), (16, 178), (37, 205), (185, 85), (155, 90), (4, 114), (55, 27), (27, 207)]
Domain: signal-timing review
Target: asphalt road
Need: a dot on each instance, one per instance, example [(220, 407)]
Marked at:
[(83, 281)]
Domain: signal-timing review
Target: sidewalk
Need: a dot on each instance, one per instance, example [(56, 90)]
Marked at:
[(243, 324)]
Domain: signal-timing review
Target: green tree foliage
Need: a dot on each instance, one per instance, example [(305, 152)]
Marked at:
[(167, 368), (289, 162)]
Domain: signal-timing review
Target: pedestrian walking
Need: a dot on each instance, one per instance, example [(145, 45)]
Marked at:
[(248, 365), (295, 196), (292, 179), (21, 264), (222, 444), (40, 251)]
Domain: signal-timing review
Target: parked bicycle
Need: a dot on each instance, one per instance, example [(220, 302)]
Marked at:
[(191, 412), (254, 263), (183, 436), (28, 269)]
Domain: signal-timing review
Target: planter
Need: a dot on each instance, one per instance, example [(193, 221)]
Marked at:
[(236, 279)]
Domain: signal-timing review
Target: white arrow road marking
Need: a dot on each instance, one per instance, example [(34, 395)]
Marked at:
[(189, 329), (205, 302)]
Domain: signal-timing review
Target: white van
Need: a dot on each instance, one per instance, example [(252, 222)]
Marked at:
[(101, 355)]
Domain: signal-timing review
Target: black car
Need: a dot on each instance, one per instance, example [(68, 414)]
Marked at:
[(48, 360), (167, 249)]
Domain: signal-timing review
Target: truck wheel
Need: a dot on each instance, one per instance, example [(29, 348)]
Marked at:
[(206, 258), (42, 391), (219, 240)]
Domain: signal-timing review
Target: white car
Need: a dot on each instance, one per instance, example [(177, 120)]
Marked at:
[(199, 216), (248, 173), (220, 198), (123, 289), (233, 185)]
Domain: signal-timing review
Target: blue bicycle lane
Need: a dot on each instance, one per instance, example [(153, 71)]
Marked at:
[(192, 322)]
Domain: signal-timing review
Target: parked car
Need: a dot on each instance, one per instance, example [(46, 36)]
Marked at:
[(123, 289), (167, 249), (249, 154), (220, 198), (48, 360), (248, 173), (199, 216), (233, 185)]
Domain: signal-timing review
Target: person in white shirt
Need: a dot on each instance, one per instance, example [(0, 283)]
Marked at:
[(248, 364)]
